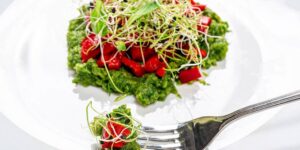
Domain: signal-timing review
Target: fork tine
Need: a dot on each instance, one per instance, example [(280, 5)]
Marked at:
[(159, 146), (160, 138), (161, 129)]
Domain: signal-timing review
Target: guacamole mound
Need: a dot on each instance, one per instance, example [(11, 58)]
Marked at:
[(149, 88)]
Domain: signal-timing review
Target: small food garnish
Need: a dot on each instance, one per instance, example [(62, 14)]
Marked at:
[(115, 130), (143, 47)]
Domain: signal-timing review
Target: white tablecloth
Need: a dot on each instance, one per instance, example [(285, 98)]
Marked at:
[(280, 133)]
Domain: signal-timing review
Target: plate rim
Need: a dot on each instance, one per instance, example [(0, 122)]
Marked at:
[(16, 120)]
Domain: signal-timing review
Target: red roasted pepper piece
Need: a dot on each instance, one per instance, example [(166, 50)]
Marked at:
[(88, 48), (121, 55), (115, 130), (195, 7), (163, 64), (202, 28), (186, 46), (118, 144), (135, 67), (203, 53), (206, 21), (107, 136), (113, 64), (100, 62), (189, 13), (119, 129), (152, 64), (136, 52), (199, 7), (193, 2), (108, 48), (161, 72), (188, 75)]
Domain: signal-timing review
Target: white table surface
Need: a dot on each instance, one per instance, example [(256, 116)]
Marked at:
[(280, 133)]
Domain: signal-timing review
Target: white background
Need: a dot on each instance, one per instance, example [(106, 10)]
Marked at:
[(282, 132)]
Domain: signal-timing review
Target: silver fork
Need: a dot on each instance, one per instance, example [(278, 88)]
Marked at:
[(197, 134)]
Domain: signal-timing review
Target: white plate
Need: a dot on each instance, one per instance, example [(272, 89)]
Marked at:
[(39, 97)]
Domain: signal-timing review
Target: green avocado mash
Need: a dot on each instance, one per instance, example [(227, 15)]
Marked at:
[(149, 88)]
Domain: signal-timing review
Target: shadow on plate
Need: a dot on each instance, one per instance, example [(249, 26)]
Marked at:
[(105, 99)]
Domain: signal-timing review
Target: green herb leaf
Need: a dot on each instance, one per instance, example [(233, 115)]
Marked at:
[(144, 10), (121, 46), (98, 18)]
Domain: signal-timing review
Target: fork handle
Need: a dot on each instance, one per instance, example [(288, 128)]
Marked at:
[(284, 99)]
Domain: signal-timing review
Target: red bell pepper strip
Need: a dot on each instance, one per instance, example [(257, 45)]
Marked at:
[(152, 64), (88, 48), (135, 67), (188, 75)]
